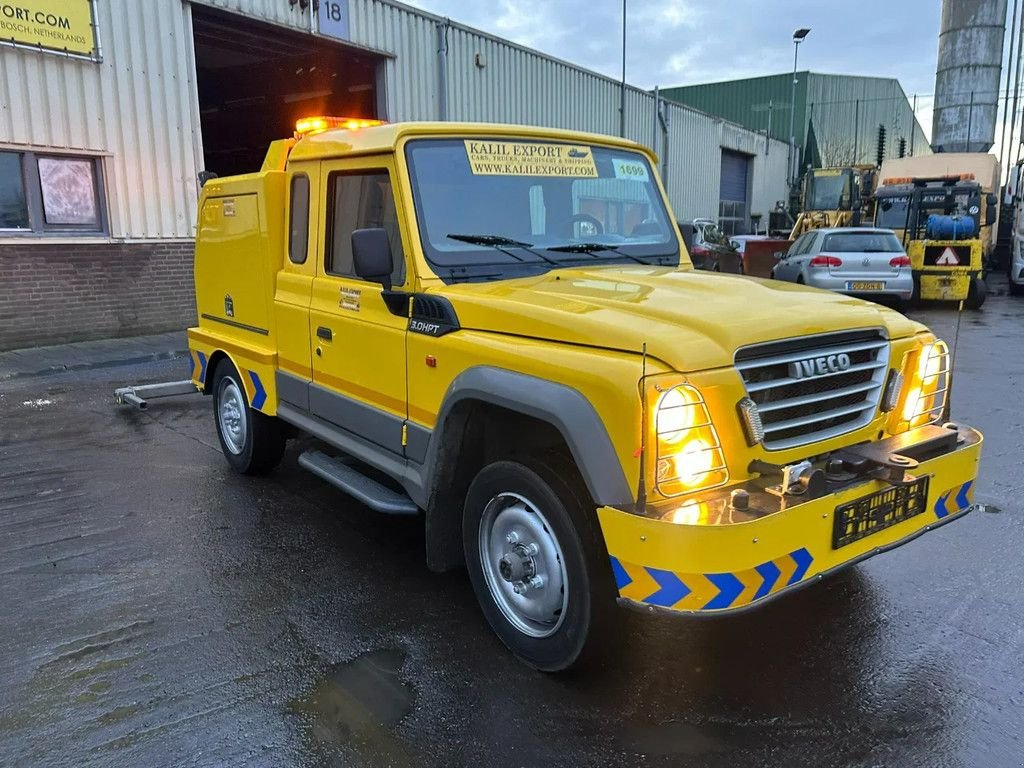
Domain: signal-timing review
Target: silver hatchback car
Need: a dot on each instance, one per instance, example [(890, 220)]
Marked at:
[(855, 260)]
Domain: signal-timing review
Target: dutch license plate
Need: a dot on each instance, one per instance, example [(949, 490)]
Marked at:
[(865, 286), (863, 517)]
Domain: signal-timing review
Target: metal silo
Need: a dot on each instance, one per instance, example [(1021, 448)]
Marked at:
[(967, 75)]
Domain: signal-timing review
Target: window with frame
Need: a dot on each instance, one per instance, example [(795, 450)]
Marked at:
[(44, 193), (298, 223), (361, 200)]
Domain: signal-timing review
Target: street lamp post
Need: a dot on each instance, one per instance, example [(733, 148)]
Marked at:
[(798, 37)]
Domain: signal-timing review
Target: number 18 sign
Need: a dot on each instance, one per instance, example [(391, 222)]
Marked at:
[(333, 18)]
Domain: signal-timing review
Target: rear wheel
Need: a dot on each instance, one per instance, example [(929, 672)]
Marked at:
[(252, 442), (976, 293), (1016, 289), (537, 564)]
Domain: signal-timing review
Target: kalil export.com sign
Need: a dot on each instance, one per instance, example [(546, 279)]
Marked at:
[(53, 25)]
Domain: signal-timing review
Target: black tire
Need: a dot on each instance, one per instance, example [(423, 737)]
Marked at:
[(577, 632), (1016, 289), (257, 448), (976, 293)]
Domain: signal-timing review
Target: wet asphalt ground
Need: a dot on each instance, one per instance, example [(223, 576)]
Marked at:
[(157, 609)]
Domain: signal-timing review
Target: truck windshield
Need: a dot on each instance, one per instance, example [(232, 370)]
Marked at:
[(891, 212), (829, 190), (494, 208)]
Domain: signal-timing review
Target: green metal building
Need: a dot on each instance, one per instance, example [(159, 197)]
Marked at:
[(837, 117)]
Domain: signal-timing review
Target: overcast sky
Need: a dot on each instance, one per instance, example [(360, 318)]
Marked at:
[(678, 42)]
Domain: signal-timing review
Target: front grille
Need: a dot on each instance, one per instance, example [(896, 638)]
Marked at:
[(825, 400)]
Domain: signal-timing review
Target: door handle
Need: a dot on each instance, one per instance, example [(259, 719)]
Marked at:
[(324, 333)]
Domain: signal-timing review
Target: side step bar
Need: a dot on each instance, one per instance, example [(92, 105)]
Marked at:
[(357, 485)]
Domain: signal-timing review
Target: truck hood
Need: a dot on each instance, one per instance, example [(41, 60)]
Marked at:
[(690, 320)]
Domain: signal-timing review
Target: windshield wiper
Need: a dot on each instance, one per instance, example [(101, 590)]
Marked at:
[(593, 249), (487, 240), (501, 243)]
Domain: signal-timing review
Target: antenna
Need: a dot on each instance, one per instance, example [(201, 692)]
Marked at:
[(641, 486)]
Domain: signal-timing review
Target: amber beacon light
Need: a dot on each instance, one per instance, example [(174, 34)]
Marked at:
[(307, 126)]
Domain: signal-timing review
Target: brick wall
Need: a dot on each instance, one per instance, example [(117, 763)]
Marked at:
[(51, 293)]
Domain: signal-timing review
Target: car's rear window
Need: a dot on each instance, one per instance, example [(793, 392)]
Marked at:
[(845, 242)]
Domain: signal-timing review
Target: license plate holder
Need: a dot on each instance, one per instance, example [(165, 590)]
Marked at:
[(863, 517), (865, 285)]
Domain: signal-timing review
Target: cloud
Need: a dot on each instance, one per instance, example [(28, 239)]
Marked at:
[(679, 42)]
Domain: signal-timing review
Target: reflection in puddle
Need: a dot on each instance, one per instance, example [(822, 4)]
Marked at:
[(359, 701)]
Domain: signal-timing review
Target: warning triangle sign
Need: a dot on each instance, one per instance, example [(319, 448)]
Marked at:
[(948, 258)]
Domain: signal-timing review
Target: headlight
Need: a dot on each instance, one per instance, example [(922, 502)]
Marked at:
[(926, 377), (688, 455)]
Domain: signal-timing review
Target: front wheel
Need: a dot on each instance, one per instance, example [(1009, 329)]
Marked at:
[(253, 442), (534, 557), (976, 293), (1016, 289)]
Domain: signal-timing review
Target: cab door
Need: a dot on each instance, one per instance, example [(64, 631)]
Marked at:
[(294, 287), (359, 355)]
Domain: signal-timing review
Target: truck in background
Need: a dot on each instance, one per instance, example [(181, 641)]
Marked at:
[(840, 196)]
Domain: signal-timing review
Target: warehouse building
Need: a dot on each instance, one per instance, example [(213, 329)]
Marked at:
[(110, 108), (836, 119)]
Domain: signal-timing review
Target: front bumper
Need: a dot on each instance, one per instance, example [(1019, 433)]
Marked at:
[(730, 566)]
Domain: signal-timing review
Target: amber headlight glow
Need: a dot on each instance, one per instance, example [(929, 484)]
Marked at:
[(689, 456), (926, 376)]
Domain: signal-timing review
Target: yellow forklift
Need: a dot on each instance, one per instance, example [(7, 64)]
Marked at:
[(939, 220)]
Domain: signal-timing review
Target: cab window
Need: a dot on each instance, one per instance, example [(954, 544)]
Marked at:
[(298, 225), (360, 200)]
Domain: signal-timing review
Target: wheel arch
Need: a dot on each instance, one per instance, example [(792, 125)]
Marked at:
[(557, 416), (215, 360)]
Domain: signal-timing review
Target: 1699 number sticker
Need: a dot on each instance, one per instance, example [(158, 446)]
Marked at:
[(630, 169)]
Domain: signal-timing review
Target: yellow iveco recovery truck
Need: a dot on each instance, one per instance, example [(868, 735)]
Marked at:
[(498, 328)]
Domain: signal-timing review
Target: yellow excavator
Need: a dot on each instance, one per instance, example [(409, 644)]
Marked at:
[(840, 196)]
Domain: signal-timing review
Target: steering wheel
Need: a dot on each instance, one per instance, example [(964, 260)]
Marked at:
[(581, 217)]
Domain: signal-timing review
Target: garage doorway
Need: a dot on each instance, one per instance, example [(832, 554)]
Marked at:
[(256, 79), (733, 198)]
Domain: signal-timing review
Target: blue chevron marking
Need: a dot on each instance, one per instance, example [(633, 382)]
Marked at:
[(260, 397), (962, 502), (803, 561), (621, 577), (940, 505), (769, 573), (729, 588), (202, 366), (672, 588)]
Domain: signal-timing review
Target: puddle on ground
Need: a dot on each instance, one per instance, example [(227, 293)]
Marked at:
[(358, 702), (675, 738)]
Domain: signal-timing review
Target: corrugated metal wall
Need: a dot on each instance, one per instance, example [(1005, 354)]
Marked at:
[(136, 107), (846, 112), (838, 104), (133, 107)]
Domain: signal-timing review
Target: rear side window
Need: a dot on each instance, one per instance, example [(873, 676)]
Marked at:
[(361, 200), (298, 235)]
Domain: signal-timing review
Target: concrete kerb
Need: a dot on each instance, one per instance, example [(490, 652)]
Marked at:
[(86, 355)]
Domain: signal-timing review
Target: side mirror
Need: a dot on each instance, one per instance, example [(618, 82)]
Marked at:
[(990, 208), (371, 256)]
